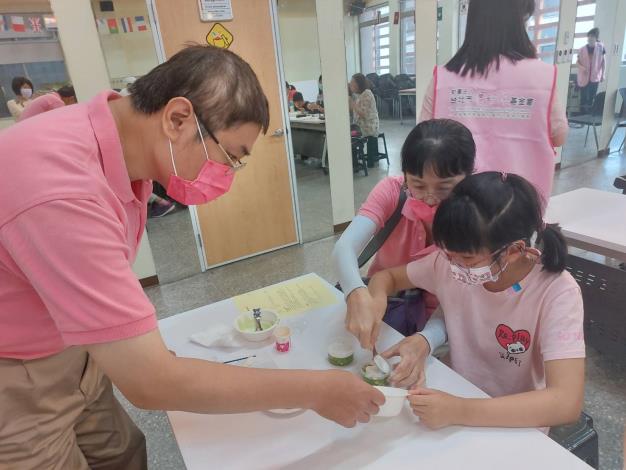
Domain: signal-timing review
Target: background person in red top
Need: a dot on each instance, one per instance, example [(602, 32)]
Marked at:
[(57, 99), (73, 317)]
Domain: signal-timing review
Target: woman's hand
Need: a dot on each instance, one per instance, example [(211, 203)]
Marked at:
[(436, 409), (364, 316), (413, 352)]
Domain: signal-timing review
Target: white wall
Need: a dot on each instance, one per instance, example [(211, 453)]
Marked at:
[(297, 21), (448, 31)]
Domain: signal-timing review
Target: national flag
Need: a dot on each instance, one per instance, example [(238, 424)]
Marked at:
[(35, 24), (141, 23), (17, 24), (4, 23), (112, 24), (103, 28), (127, 24)]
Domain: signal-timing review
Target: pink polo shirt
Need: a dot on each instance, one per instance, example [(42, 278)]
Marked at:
[(408, 240), (39, 105), (499, 341), (70, 225)]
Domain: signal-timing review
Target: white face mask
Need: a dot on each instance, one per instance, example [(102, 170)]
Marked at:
[(26, 92), (475, 276)]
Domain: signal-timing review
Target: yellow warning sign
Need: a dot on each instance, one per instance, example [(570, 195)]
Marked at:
[(219, 36)]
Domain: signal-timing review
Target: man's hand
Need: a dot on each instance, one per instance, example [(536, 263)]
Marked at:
[(364, 317), (346, 399), (413, 352), (436, 409)]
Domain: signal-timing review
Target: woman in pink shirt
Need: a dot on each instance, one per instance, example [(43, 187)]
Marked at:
[(513, 315), (436, 155), (591, 64), (497, 87)]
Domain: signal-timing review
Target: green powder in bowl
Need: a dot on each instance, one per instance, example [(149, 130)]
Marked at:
[(340, 353), (248, 324)]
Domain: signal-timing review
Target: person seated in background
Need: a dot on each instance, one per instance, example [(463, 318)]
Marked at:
[(291, 90), (320, 95), (23, 89), (305, 106), (365, 114), (57, 99)]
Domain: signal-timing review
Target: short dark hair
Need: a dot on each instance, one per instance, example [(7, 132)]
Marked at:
[(490, 211), (297, 96), (222, 87), (445, 145), (595, 32), (494, 28), (18, 82), (361, 81), (67, 91)]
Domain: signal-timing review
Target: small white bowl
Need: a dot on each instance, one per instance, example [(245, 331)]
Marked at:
[(394, 401), (247, 318)]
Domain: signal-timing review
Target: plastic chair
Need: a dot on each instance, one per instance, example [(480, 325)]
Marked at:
[(389, 92), (593, 119), (384, 154)]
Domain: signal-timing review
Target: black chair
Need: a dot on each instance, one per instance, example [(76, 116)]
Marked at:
[(359, 158), (579, 438), (384, 155), (593, 119), (389, 92), (621, 119)]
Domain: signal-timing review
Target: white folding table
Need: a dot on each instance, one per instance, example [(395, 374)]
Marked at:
[(307, 441), (592, 220)]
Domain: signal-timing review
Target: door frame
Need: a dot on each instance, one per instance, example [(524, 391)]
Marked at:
[(193, 211)]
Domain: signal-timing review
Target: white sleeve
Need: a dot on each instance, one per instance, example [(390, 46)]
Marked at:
[(347, 250), (435, 330)]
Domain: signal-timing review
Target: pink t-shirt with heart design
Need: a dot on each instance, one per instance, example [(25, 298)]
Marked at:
[(499, 341)]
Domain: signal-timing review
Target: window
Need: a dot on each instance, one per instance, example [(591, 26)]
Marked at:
[(543, 28), (407, 36), (585, 20), (374, 33), (29, 47)]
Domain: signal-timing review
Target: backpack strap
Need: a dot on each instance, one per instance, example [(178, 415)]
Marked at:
[(381, 237)]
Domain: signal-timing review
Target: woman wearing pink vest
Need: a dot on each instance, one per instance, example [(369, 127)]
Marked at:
[(591, 66), (496, 86)]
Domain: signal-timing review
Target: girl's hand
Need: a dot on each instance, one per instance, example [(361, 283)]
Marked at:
[(436, 409), (364, 317), (413, 352)]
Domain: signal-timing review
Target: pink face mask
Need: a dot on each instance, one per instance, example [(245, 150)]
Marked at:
[(419, 210), (213, 180)]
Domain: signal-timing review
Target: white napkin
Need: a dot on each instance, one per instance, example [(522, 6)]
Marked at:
[(218, 336)]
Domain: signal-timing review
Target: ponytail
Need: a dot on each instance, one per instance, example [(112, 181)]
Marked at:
[(553, 247)]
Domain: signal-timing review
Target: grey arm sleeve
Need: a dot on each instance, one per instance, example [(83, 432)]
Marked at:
[(347, 251), (435, 330)]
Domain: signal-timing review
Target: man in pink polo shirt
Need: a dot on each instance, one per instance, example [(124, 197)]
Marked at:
[(57, 99), (73, 317)]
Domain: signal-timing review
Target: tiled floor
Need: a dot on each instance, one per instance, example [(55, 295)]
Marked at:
[(605, 397)]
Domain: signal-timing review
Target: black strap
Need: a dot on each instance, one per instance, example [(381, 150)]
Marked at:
[(381, 237)]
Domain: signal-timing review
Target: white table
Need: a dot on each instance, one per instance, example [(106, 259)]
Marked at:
[(592, 220), (405, 92), (306, 441), (315, 124)]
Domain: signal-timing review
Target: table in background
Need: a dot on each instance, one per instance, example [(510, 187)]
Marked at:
[(308, 137), (592, 220), (405, 92), (258, 440), (595, 221)]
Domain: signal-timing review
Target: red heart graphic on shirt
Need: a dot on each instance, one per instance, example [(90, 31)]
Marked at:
[(506, 336)]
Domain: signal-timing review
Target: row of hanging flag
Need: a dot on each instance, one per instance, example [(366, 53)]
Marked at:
[(21, 24), (127, 24)]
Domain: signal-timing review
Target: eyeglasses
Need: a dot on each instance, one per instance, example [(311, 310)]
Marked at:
[(492, 255), (434, 198), (236, 164)]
